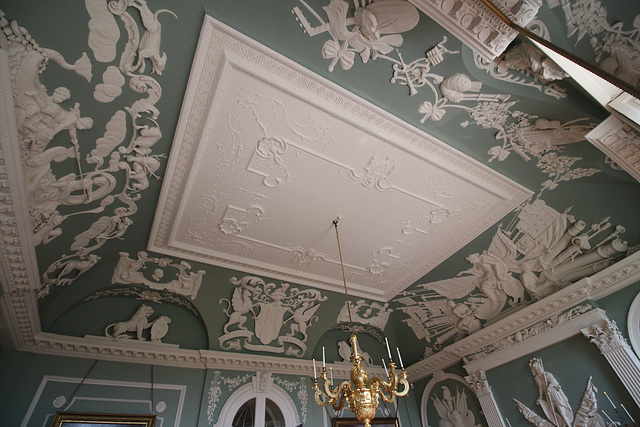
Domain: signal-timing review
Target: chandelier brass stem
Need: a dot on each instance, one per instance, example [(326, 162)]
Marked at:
[(361, 393)]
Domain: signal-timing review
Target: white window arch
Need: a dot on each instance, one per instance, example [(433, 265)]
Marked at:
[(260, 388)]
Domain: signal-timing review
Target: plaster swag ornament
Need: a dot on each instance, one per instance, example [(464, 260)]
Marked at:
[(272, 307), (137, 324), (555, 404), (128, 271), (538, 253)]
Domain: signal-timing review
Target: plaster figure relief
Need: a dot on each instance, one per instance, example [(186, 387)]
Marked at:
[(41, 116), (452, 410), (128, 271), (271, 308), (555, 405), (538, 253), (137, 324), (374, 314)]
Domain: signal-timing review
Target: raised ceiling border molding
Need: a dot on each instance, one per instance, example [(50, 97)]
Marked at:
[(18, 269), (221, 51), (619, 141), (476, 25), (621, 274)]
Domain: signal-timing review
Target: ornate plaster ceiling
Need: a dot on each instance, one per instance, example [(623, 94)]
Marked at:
[(267, 154)]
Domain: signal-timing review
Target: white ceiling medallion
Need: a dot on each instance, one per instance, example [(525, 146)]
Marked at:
[(266, 154)]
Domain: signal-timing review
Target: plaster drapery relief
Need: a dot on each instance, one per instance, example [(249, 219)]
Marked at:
[(137, 324), (374, 314), (272, 308), (537, 253), (128, 271), (453, 410), (617, 50), (93, 188), (555, 404)]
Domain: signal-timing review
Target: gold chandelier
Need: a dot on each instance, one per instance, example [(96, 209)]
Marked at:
[(361, 393)]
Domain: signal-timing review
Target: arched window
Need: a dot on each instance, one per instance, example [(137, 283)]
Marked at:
[(249, 406)]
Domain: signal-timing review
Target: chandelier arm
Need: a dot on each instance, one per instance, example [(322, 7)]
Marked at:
[(326, 388), (405, 385), (318, 396)]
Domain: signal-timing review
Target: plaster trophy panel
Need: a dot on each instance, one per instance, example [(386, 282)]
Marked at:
[(294, 153)]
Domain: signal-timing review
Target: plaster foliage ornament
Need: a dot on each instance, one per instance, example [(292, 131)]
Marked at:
[(539, 252), (145, 295), (305, 257), (617, 50), (555, 404), (59, 402), (530, 332), (345, 351), (302, 394), (453, 411), (137, 324), (374, 314), (606, 336), (360, 329), (373, 28), (272, 307), (186, 282), (216, 390)]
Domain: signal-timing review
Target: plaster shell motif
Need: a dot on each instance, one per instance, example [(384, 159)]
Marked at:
[(41, 117), (547, 250), (129, 271), (272, 307)]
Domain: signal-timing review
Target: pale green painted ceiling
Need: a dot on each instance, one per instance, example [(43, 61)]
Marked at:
[(62, 26)]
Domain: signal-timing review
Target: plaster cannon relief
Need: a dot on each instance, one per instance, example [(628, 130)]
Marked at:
[(539, 252), (260, 313)]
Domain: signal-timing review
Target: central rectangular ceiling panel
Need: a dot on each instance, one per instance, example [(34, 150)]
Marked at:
[(267, 154)]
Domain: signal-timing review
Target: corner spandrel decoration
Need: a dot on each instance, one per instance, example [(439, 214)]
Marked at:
[(272, 307), (110, 178)]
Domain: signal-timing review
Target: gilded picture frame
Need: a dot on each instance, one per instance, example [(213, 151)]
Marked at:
[(353, 422), (84, 419)]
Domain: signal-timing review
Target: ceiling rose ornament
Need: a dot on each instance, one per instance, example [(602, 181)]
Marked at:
[(361, 393)]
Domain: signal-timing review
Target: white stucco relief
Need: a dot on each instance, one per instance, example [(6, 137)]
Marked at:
[(93, 188), (617, 49), (138, 324), (129, 271), (374, 314), (555, 405), (538, 253), (271, 307), (453, 410)]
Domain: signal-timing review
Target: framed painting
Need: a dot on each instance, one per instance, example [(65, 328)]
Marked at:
[(85, 419), (353, 422)]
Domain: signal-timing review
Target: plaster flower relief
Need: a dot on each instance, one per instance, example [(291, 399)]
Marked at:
[(302, 394), (271, 307), (216, 389), (186, 282), (538, 253)]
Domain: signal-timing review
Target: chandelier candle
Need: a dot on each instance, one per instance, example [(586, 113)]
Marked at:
[(360, 392), (400, 358)]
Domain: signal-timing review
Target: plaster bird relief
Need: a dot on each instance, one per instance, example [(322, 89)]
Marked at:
[(374, 314), (272, 307), (345, 352)]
